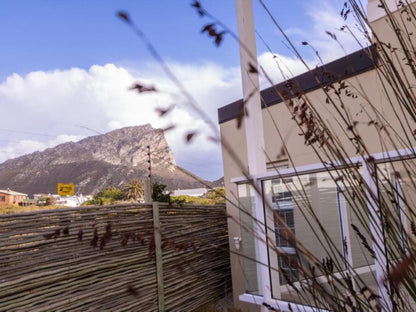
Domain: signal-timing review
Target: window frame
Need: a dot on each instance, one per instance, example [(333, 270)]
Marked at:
[(380, 266)]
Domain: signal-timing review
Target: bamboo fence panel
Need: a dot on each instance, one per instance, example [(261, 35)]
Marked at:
[(103, 258), (195, 255)]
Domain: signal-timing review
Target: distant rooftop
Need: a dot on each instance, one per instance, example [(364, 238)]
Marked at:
[(190, 192), (10, 192)]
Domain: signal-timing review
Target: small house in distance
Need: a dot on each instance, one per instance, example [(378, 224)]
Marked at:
[(55, 199), (9, 197)]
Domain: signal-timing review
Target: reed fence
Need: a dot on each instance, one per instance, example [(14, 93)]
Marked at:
[(128, 257)]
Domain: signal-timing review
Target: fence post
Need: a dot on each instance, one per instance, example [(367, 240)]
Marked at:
[(147, 192), (158, 253)]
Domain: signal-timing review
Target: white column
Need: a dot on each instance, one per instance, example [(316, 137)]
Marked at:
[(376, 228), (254, 130), (345, 233)]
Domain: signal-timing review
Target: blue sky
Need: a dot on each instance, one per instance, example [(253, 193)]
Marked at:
[(50, 34), (45, 35), (77, 54)]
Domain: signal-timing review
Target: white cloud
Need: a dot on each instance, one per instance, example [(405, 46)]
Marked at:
[(279, 67), (323, 17), (15, 148), (326, 17), (63, 104)]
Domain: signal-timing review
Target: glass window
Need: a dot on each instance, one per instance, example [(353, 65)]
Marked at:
[(318, 230), (302, 213), (396, 184), (358, 243), (248, 248), (286, 215), (318, 226), (397, 199), (284, 224)]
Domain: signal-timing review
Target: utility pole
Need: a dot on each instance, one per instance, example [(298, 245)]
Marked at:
[(148, 181)]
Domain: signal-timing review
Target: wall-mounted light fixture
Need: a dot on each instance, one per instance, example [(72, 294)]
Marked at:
[(237, 241)]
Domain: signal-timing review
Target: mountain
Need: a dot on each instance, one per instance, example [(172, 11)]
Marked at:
[(217, 183), (97, 162)]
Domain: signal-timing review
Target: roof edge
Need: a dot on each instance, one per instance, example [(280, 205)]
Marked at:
[(348, 66)]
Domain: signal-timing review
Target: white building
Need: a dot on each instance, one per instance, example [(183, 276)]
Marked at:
[(196, 192)]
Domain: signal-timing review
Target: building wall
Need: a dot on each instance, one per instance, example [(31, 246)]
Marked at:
[(5, 199), (279, 127), (11, 199), (372, 88), (234, 151)]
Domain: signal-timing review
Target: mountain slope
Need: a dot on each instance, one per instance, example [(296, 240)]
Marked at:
[(96, 162)]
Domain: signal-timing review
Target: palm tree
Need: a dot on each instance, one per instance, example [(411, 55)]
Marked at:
[(133, 190)]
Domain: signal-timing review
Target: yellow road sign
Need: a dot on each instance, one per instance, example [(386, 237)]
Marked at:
[(66, 189)]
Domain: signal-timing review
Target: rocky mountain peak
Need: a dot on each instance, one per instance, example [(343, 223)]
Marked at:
[(128, 146), (95, 162), (125, 146)]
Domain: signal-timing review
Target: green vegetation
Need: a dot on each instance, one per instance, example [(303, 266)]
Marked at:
[(214, 196), (217, 195), (45, 201), (107, 196), (159, 194), (133, 190), (187, 199)]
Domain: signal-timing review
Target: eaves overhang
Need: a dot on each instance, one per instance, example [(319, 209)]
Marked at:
[(348, 66)]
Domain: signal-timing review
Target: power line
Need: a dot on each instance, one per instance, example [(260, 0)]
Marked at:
[(90, 129)]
